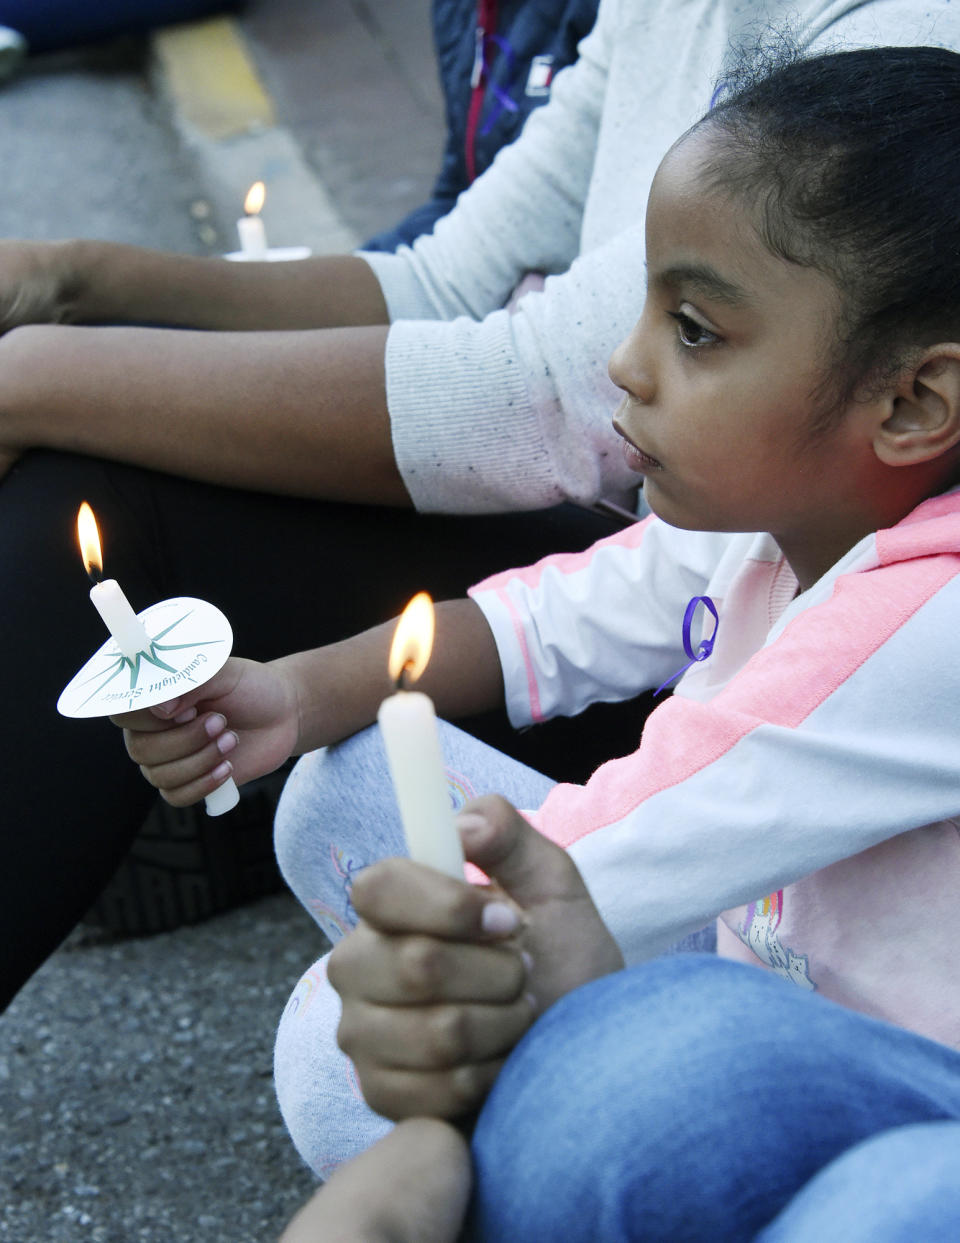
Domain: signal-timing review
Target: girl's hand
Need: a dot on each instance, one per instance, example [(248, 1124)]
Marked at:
[(441, 978), (244, 722)]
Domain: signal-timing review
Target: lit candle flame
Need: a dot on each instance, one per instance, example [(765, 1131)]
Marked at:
[(89, 538), (253, 203), (412, 639)]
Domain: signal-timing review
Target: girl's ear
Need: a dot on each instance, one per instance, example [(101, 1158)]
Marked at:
[(924, 421)]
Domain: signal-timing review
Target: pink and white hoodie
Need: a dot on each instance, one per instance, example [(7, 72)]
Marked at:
[(802, 783)]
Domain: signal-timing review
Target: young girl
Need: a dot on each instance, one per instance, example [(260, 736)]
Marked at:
[(792, 401)]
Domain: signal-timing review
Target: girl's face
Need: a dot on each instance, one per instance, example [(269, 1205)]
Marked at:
[(720, 378)]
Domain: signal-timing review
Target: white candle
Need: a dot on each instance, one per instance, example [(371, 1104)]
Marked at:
[(119, 618), (109, 601), (253, 236), (409, 728)]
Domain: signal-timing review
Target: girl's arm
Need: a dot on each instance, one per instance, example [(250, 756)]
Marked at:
[(341, 686), (251, 717)]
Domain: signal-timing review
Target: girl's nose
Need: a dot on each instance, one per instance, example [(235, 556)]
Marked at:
[(628, 369)]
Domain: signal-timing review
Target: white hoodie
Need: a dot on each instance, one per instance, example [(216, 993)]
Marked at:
[(803, 781)]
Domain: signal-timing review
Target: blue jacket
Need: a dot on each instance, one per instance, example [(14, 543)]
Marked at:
[(496, 60)]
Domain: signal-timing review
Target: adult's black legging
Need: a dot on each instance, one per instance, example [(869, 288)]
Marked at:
[(290, 574)]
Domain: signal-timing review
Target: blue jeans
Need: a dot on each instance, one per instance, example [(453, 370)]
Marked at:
[(901, 1184), (693, 1099)]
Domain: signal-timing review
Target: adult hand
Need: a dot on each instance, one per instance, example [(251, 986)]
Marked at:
[(441, 978), (35, 284), (248, 712)]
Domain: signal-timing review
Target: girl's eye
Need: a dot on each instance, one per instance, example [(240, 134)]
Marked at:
[(691, 334)]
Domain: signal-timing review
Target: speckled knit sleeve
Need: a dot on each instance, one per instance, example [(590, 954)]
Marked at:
[(492, 411)]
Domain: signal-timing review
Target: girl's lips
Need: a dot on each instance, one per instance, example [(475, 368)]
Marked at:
[(636, 458)]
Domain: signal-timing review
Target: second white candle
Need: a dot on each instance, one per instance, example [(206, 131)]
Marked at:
[(409, 727)]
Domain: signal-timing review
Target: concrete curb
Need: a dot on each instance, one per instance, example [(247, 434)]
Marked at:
[(225, 117)]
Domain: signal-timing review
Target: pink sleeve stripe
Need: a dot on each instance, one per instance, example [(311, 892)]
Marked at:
[(780, 686), (566, 562), (533, 691)]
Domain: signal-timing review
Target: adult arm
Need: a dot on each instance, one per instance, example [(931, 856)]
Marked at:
[(270, 402), (299, 413), (88, 282)]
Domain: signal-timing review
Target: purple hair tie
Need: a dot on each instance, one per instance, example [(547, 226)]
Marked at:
[(706, 645)]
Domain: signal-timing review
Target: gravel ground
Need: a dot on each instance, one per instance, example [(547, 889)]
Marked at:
[(136, 1093)]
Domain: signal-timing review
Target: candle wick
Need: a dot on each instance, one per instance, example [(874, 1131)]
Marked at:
[(404, 679), (95, 577)]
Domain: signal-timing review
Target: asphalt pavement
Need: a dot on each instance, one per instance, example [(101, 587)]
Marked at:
[(136, 1097)]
